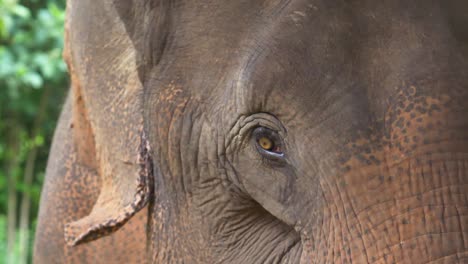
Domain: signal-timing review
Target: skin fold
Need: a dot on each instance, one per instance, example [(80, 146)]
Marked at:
[(361, 107)]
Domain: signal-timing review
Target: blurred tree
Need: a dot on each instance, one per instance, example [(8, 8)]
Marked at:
[(33, 82)]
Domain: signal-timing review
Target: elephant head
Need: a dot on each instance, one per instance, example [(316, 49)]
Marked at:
[(275, 131)]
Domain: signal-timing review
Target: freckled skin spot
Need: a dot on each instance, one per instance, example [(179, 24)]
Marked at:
[(404, 143)]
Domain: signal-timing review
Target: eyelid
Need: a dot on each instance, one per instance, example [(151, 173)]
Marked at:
[(240, 132), (266, 120), (277, 155)]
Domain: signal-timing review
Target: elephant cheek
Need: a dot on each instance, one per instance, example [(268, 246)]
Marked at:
[(405, 201), (415, 211)]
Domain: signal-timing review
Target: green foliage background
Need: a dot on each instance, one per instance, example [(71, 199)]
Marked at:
[(33, 82)]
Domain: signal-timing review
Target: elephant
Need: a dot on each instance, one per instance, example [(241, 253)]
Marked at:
[(270, 131)]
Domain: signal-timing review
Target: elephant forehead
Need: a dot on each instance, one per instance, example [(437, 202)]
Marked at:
[(337, 61), (317, 53), (315, 50)]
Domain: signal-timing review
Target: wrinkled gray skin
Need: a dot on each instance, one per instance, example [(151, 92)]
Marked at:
[(156, 157)]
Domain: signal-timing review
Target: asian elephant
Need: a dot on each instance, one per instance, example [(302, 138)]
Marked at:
[(269, 131)]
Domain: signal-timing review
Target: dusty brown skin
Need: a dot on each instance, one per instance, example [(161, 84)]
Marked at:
[(156, 156)]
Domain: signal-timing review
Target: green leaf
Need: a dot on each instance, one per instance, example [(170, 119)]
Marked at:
[(21, 70), (40, 59), (21, 11), (48, 70), (33, 79), (7, 24), (6, 62), (39, 140), (3, 29), (45, 18), (56, 12)]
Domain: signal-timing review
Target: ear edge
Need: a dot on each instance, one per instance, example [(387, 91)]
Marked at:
[(87, 229), (101, 222)]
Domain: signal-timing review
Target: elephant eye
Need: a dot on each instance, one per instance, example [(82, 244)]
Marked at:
[(268, 143)]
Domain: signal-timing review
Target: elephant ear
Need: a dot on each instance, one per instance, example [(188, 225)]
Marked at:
[(147, 22), (103, 57)]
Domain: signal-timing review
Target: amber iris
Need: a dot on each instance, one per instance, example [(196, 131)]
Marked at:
[(265, 143)]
